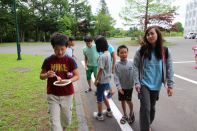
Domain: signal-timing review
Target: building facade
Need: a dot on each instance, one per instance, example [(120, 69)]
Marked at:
[(191, 17)]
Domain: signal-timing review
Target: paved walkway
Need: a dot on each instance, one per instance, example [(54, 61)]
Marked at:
[(173, 114)]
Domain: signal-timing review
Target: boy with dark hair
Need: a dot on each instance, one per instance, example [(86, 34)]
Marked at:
[(91, 56), (124, 82), (59, 98)]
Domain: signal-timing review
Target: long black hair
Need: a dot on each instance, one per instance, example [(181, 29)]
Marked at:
[(147, 48), (101, 43)]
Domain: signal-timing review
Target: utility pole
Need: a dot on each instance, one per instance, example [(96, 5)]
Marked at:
[(17, 31)]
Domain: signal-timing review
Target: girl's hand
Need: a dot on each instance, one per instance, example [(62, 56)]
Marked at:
[(96, 83), (169, 91), (138, 88), (121, 91)]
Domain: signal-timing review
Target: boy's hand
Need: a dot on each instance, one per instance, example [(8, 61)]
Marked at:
[(50, 74), (121, 91), (169, 91), (59, 78)]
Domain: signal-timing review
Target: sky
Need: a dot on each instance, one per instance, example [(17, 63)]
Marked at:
[(115, 7)]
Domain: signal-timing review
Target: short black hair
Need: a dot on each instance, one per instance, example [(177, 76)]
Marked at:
[(101, 44), (88, 38), (71, 38), (59, 39), (121, 47)]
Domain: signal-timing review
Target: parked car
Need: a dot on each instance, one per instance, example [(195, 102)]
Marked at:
[(193, 36), (190, 35)]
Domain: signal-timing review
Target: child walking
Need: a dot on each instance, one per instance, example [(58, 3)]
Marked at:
[(123, 78), (103, 77), (194, 48), (69, 49), (91, 57), (56, 67)]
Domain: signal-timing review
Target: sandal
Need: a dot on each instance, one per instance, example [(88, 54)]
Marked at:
[(131, 118), (123, 119)]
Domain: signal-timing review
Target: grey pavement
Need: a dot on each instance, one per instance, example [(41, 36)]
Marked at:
[(176, 113)]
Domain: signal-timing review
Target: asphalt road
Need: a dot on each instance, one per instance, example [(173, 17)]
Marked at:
[(176, 113)]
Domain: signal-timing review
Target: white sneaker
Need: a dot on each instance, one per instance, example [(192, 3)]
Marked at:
[(100, 118), (109, 114)]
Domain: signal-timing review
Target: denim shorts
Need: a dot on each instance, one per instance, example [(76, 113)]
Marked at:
[(100, 91)]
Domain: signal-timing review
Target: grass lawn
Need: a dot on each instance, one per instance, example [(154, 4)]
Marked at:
[(23, 104), (22, 43)]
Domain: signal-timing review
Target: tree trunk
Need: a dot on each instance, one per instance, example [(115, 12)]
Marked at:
[(36, 39), (44, 37), (146, 16), (22, 36)]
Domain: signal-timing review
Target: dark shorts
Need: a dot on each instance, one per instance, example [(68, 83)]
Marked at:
[(127, 95), (100, 91)]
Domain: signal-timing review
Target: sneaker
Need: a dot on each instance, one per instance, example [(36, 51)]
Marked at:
[(88, 90), (100, 118), (109, 114)]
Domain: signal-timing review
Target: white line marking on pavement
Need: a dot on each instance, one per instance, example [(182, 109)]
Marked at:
[(182, 62), (177, 62), (186, 79), (116, 113)]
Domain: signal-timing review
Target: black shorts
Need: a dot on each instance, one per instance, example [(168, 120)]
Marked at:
[(127, 95)]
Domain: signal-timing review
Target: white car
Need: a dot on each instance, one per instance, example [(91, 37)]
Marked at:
[(189, 35)]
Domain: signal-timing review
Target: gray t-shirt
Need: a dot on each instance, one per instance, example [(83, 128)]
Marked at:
[(123, 76), (104, 62)]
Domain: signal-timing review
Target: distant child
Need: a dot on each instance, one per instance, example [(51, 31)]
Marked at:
[(59, 98), (70, 49), (103, 78), (91, 59), (123, 78), (195, 53)]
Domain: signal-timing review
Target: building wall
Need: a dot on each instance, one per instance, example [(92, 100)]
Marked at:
[(191, 17)]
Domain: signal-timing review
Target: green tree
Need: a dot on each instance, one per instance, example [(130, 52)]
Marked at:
[(7, 27), (82, 17), (178, 26), (64, 25), (149, 12), (104, 22)]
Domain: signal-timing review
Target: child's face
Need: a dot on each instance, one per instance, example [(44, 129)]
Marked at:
[(89, 43), (123, 53), (71, 43), (59, 51)]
